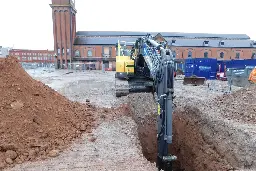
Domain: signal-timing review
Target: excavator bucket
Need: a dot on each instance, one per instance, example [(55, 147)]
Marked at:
[(194, 80)]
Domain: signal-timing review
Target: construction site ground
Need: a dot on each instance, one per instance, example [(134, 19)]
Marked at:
[(205, 136)]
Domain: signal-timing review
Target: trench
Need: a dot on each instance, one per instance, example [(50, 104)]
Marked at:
[(193, 152)]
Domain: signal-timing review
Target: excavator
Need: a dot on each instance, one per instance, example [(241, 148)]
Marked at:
[(149, 67)]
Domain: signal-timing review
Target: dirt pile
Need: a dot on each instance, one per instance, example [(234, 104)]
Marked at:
[(35, 120), (240, 105)]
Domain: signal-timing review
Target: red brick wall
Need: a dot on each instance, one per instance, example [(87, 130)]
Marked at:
[(97, 50), (33, 55), (229, 53), (181, 52), (64, 16)]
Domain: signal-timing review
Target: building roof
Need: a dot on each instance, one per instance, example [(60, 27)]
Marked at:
[(102, 40), (164, 34), (178, 42)]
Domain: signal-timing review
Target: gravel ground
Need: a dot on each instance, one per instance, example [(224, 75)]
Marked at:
[(117, 142), (79, 86)]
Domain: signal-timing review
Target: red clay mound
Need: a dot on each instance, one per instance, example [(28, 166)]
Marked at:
[(35, 120)]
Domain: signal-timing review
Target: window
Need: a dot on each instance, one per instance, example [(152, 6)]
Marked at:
[(174, 54), (77, 53), (68, 52), (173, 41), (237, 55), (206, 43), (89, 53), (206, 54), (106, 51), (222, 55), (63, 51), (57, 52), (189, 54), (253, 55)]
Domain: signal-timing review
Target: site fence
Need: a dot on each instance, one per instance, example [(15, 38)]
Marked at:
[(37, 65)]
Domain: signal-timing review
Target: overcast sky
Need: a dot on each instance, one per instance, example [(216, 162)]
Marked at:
[(28, 23)]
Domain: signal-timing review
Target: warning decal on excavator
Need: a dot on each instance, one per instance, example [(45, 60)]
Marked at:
[(158, 109)]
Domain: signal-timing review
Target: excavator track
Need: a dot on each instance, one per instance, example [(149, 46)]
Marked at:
[(134, 85), (121, 87)]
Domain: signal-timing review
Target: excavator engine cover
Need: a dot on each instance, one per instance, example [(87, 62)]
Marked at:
[(194, 80)]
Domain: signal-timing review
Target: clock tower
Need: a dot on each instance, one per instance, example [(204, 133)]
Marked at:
[(64, 30)]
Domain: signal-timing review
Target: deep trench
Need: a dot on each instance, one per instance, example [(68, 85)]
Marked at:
[(189, 145)]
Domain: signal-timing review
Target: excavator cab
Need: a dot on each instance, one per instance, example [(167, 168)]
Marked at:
[(124, 64)]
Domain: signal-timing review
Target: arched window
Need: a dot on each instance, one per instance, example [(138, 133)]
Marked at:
[(206, 54), (222, 55), (189, 54), (89, 53), (174, 53), (77, 53)]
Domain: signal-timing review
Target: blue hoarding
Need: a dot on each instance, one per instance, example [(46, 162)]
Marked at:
[(240, 64), (201, 67)]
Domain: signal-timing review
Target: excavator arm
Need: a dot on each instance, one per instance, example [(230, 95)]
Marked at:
[(160, 63)]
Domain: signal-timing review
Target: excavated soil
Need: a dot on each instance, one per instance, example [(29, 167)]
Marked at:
[(240, 105), (192, 143), (36, 121)]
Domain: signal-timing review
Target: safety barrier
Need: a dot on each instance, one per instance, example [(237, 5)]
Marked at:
[(239, 77)]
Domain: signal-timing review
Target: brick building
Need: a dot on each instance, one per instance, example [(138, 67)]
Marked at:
[(33, 56), (4, 51), (99, 46)]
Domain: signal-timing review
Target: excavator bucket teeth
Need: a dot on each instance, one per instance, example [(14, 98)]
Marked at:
[(194, 80)]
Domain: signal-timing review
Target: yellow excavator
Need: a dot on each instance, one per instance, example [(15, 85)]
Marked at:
[(149, 67), (132, 72), (124, 64)]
